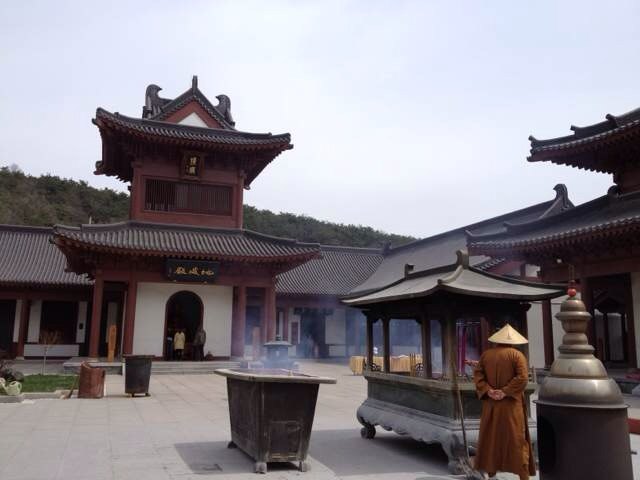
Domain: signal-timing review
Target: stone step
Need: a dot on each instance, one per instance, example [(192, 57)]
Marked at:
[(190, 368), (157, 367)]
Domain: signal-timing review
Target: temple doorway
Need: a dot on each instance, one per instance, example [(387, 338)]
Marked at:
[(183, 313), (612, 309), (312, 334), (7, 315)]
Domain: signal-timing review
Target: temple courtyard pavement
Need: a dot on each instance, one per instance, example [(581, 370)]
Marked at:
[(181, 432)]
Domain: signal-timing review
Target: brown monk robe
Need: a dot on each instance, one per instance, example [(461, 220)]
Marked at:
[(501, 377)]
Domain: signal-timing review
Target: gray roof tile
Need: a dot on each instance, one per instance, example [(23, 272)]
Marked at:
[(338, 271), (606, 147), (177, 132), (598, 217), (460, 279), (185, 241), (28, 258), (192, 95), (592, 133), (439, 250)]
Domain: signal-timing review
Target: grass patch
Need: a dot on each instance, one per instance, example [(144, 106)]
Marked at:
[(47, 383)]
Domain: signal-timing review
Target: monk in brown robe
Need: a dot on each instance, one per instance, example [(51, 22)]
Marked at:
[(501, 377)]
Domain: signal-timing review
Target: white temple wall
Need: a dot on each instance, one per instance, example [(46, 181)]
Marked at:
[(16, 321), (294, 319), (536, 335), (151, 302), (536, 332), (35, 313), (335, 332)]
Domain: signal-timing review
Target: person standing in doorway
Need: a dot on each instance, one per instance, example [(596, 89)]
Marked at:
[(501, 376), (169, 346), (178, 343), (199, 340)]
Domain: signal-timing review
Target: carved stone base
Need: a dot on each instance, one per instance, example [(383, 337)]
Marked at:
[(260, 467), (423, 427)]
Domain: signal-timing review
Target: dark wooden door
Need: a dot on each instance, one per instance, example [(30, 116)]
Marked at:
[(612, 311), (7, 316)]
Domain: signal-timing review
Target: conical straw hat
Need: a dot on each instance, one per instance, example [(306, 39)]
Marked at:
[(508, 335)]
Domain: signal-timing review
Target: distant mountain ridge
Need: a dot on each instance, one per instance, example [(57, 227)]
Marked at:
[(49, 199)]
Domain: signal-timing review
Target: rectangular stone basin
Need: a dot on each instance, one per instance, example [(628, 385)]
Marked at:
[(271, 413)]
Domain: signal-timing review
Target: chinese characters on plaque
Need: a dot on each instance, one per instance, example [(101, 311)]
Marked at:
[(192, 271), (192, 166)]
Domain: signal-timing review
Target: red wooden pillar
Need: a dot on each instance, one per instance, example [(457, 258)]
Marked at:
[(130, 316), (427, 367), (25, 307), (547, 332), (586, 296), (285, 324), (386, 340), (631, 330), (239, 322), (270, 313), (369, 349), (96, 315), (239, 203)]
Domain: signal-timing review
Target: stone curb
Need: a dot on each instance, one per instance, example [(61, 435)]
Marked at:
[(11, 398), (33, 396)]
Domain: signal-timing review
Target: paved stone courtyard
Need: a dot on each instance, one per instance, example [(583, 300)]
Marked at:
[(181, 432)]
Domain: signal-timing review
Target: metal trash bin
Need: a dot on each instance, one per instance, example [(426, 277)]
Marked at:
[(91, 382), (271, 412), (137, 373)]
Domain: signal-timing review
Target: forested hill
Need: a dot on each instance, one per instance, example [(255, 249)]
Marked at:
[(48, 199)]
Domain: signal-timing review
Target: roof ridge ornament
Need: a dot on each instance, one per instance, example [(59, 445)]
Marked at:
[(152, 101), (194, 83), (408, 269), (560, 203), (462, 256), (462, 264), (224, 107)]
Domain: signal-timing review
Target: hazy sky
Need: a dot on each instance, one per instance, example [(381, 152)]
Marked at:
[(411, 117)]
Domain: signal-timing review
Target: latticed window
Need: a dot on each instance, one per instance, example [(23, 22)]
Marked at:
[(167, 196)]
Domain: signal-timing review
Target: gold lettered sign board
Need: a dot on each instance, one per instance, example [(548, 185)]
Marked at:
[(192, 271)]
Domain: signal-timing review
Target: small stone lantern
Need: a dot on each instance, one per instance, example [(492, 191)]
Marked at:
[(277, 354), (582, 419)]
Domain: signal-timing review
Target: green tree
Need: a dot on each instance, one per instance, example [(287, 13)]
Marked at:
[(49, 200)]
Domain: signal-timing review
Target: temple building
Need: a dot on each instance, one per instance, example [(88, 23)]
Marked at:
[(596, 243), (183, 259)]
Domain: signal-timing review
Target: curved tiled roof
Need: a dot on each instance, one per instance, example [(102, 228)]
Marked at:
[(143, 238), (577, 149), (439, 250), (27, 257), (196, 136), (338, 271), (192, 95), (605, 217), (458, 278)]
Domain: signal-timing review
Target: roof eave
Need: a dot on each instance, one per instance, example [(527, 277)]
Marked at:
[(63, 241)]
